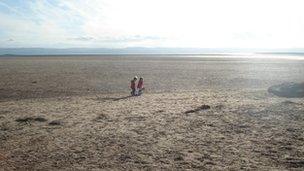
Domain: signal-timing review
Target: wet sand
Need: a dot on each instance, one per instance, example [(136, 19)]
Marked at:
[(47, 76)]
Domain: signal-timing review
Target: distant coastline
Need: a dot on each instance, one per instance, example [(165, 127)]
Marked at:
[(146, 51)]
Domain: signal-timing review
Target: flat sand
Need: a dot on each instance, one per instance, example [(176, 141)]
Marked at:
[(75, 113)]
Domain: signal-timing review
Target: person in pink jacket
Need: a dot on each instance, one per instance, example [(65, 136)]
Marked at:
[(140, 86)]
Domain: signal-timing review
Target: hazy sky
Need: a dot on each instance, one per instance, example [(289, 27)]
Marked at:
[(152, 23)]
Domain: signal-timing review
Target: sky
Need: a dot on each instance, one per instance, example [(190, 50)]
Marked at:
[(152, 23)]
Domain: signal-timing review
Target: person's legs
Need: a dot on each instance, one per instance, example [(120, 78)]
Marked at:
[(133, 92), (140, 91)]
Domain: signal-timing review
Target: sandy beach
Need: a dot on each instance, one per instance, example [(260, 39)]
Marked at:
[(209, 113)]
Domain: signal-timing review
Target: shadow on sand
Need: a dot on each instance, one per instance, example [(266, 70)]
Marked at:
[(113, 98)]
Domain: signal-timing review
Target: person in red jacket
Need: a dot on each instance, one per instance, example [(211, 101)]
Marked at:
[(140, 86), (133, 86)]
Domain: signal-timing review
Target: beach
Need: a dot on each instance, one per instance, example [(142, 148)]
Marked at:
[(200, 113)]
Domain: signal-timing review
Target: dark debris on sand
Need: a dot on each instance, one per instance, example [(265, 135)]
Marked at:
[(203, 107), (30, 119), (295, 163), (55, 122), (288, 89)]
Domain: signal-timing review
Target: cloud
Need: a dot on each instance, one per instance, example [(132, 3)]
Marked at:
[(120, 41), (133, 38), (81, 38)]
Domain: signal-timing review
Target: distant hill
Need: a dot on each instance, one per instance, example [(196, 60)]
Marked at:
[(140, 50)]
